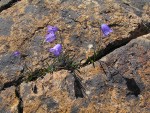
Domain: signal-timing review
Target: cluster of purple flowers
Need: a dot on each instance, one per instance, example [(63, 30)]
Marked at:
[(51, 36)]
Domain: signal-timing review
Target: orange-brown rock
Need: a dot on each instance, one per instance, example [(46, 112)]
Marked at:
[(118, 83)]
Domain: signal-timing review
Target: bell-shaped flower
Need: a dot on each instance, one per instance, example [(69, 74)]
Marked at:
[(16, 53), (106, 30), (52, 29), (50, 37), (56, 50)]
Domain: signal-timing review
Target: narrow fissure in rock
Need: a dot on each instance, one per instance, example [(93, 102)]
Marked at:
[(20, 104), (8, 5), (12, 83), (132, 87), (78, 88)]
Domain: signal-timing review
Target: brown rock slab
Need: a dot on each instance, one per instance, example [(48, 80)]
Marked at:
[(23, 28), (45, 95), (132, 63), (107, 87)]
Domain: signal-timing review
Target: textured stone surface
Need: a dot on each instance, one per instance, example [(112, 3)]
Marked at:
[(132, 62), (10, 68), (8, 101), (5, 25), (109, 87), (136, 5), (23, 28), (45, 95)]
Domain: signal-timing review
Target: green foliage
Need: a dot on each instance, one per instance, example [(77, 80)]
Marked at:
[(34, 75), (92, 59), (64, 61)]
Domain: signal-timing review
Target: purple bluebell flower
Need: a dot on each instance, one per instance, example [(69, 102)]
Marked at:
[(52, 29), (56, 50), (106, 29), (50, 37), (16, 53)]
